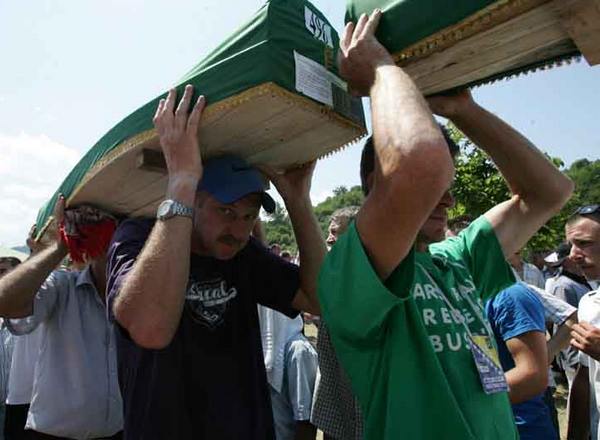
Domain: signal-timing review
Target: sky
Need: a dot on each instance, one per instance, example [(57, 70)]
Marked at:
[(72, 69)]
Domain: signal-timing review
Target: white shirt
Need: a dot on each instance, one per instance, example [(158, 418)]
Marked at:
[(532, 275), (6, 349), (276, 330), (75, 387), (20, 381), (589, 311)]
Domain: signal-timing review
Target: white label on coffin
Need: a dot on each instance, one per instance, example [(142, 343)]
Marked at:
[(319, 28), (314, 80)]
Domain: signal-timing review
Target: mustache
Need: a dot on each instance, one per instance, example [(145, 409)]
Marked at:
[(230, 240)]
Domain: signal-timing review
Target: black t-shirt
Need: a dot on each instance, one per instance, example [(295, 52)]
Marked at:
[(210, 382)]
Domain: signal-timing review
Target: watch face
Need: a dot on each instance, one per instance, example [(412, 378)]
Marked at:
[(164, 208)]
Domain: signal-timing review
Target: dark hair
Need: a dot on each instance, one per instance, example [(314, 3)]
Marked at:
[(460, 222), (585, 211), (367, 158), (13, 261)]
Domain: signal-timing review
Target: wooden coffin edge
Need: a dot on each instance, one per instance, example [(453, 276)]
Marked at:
[(487, 18), (227, 103)]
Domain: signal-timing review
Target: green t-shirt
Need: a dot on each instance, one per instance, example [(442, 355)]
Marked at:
[(405, 349)]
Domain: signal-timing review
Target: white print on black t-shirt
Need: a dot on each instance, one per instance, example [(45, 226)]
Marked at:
[(207, 300)]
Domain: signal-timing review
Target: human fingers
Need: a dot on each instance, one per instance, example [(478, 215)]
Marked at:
[(586, 326), (579, 329), (576, 344), (59, 209), (159, 110), (181, 114), (269, 171), (309, 167), (170, 102), (347, 37), (194, 119), (371, 24), (362, 21)]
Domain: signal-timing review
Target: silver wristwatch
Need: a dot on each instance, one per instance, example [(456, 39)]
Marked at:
[(170, 208)]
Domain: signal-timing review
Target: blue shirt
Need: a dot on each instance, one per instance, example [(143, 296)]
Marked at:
[(513, 312)]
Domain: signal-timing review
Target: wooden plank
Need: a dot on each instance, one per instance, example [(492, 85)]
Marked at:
[(581, 19), (151, 160), (498, 49)]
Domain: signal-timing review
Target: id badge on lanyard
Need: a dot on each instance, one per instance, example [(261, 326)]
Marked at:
[(488, 365)]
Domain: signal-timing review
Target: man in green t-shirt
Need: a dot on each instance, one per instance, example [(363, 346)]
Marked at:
[(403, 307)]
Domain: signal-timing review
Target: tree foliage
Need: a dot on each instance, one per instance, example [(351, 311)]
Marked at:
[(278, 228), (478, 187)]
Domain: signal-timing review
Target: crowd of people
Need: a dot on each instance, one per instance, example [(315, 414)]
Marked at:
[(190, 326)]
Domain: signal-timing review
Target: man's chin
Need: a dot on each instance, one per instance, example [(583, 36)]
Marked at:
[(591, 273)]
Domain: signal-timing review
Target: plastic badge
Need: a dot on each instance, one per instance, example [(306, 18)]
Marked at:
[(488, 365)]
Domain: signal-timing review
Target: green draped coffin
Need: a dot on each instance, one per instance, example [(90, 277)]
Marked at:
[(446, 44), (273, 95)]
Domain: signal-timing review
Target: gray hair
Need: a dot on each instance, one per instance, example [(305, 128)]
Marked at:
[(348, 213)]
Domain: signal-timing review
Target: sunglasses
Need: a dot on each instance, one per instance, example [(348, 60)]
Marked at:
[(587, 209)]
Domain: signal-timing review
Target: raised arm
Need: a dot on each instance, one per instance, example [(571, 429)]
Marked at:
[(150, 302), (294, 188), (413, 167), (19, 286), (539, 189)]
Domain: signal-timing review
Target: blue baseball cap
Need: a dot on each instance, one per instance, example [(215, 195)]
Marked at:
[(229, 178)]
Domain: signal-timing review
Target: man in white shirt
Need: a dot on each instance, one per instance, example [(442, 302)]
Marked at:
[(75, 391), (291, 364), (583, 232)]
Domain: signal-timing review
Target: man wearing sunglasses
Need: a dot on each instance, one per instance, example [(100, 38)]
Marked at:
[(583, 233)]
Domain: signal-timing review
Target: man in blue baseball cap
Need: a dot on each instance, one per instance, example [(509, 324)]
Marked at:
[(183, 289)]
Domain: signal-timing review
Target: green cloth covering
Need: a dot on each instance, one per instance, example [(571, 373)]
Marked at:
[(405, 22), (405, 349), (260, 51)]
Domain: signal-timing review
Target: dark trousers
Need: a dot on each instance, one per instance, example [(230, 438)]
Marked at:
[(34, 435), (14, 421)]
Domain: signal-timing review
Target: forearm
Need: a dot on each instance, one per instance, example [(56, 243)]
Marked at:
[(527, 171), (150, 302), (523, 384), (560, 340), (311, 247), (18, 287), (402, 121)]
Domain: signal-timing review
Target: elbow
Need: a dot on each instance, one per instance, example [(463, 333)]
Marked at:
[(537, 381), (554, 198), (428, 162), (143, 332), (563, 192)]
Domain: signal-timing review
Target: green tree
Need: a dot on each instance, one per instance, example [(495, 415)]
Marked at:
[(278, 228), (479, 186), (341, 198)]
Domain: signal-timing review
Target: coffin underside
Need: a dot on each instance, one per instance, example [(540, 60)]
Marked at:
[(265, 125), (491, 46)]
